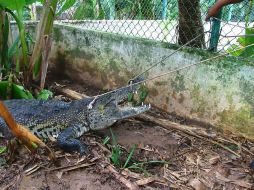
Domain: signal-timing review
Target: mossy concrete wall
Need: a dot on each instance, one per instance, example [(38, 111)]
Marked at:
[(219, 92)]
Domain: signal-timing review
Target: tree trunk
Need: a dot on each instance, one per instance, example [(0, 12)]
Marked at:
[(190, 24)]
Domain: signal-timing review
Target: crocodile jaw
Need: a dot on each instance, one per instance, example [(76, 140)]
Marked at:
[(102, 120)]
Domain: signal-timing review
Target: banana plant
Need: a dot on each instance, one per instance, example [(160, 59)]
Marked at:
[(15, 9), (42, 44)]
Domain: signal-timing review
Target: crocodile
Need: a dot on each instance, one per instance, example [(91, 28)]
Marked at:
[(66, 121)]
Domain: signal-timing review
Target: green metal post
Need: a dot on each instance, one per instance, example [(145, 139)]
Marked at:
[(215, 33)]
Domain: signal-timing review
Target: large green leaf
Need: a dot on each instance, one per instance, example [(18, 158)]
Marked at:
[(14, 91), (29, 2), (14, 48), (16, 4), (17, 91), (239, 50), (235, 50), (45, 95), (65, 5), (3, 89), (13, 4), (249, 51)]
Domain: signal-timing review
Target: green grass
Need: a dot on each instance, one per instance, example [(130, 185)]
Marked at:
[(3, 149), (129, 163)]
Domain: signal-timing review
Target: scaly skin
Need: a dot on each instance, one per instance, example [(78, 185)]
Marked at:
[(67, 121)]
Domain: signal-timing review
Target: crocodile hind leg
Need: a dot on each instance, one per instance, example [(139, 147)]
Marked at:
[(67, 142)]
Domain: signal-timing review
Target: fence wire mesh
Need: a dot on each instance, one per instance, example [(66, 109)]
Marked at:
[(172, 21)]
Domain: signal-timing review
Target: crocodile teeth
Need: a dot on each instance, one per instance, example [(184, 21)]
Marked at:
[(142, 104), (148, 106)]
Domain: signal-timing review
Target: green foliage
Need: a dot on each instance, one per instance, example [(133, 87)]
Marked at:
[(15, 8), (14, 48), (239, 50), (142, 94), (34, 145), (142, 166), (233, 50), (10, 90), (233, 147), (117, 153), (108, 7), (4, 56), (44, 95), (15, 4), (64, 5), (118, 9), (130, 97), (106, 140), (37, 67), (133, 148), (3, 149), (86, 10), (19, 92), (147, 9), (19, 10)]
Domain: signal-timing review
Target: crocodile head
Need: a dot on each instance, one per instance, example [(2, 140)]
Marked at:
[(108, 108)]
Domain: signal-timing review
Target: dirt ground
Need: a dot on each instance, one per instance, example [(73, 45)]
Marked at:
[(167, 158)]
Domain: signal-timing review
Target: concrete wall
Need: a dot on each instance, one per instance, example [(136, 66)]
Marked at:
[(219, 92)]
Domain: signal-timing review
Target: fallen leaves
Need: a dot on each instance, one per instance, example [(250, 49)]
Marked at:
[(197, 184), (240, 183)]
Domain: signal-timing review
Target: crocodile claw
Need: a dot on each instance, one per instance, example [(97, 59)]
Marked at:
[(67, 142)]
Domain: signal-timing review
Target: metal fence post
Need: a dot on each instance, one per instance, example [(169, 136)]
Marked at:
[(215, 33), (164, 9)]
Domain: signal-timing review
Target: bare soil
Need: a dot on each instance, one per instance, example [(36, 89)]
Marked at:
[(190, 162)]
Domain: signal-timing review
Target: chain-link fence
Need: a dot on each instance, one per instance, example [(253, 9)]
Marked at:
[(172, 21)]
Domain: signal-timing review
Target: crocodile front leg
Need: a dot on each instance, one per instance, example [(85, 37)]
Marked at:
[(67, 142)]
